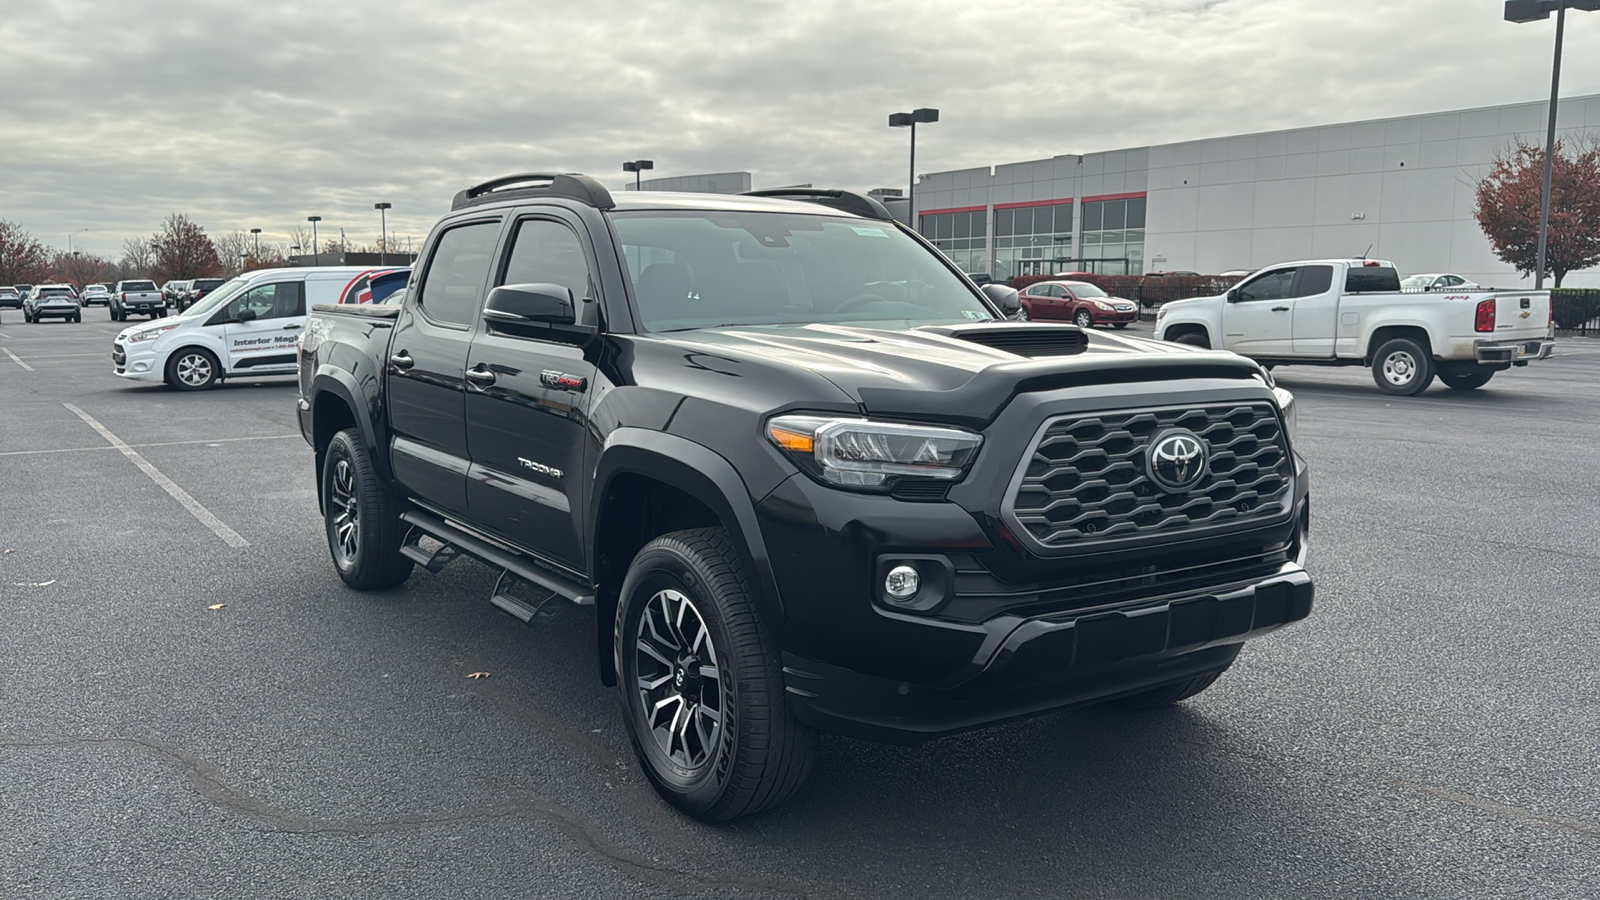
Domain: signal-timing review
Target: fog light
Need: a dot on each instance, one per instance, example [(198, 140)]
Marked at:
[(903, 583)]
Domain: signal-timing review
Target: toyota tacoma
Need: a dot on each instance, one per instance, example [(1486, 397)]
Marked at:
[(809, 476)]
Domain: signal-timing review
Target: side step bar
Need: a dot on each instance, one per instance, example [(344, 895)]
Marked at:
[(519, 566)]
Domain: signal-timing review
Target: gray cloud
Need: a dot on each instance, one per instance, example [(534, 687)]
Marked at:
[(257, 115)]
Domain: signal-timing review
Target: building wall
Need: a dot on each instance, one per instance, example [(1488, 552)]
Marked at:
[(714, 183), (1403, 187)]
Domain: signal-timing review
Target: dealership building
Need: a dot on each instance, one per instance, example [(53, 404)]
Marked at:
[(1402, 187)]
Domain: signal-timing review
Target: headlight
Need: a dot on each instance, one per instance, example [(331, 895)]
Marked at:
[(149, 335), (1286, 403), (1102, 304), (872, 456), (1161, 313)]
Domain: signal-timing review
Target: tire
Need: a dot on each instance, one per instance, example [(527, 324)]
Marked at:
[(1119, 325), (193, 369), (116, 314), (361, 517), (1466, 380), (1083, 319), (737, 750), (1193, 339), (1401, 367), (1168, 694), (78, 318)]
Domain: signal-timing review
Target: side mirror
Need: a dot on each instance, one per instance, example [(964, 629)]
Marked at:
[(1007, 298), (245, 315), (1233, 295), (541, 310)]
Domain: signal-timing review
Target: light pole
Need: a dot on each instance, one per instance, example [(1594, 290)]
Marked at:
[(637, 166), (901, 120), (1520, 12), (383, 225), (316, 252), (242, 257), (70, 237), (257, 233)]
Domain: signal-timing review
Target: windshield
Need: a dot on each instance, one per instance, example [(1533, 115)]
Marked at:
[(214, 299), (1081, 289), (704, 268)]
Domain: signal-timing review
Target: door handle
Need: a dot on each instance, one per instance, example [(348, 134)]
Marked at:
[(480, 376), (291, 328), (402, 361), (1280, 309)]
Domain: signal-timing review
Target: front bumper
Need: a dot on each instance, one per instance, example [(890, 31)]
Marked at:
[(1053, 662), (136, 363), (1112, 317), (1513, 352)]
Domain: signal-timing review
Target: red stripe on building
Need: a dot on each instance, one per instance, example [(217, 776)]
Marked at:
[(954, 209), (1136, 195), (1028, 203)]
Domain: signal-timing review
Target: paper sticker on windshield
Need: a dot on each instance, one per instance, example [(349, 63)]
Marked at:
[(973, 314), (869, 232)]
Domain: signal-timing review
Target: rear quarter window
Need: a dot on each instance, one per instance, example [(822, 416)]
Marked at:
[(1371, 279)]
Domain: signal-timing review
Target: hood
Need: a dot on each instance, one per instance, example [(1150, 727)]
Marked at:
[(959, 373)]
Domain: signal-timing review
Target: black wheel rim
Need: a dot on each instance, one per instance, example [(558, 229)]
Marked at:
[(681, 702), (344, 514)]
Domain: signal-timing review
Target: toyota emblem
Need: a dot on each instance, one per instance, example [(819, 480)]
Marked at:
[(1177, 460)]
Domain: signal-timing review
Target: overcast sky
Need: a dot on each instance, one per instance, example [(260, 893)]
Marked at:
[(258, 114)]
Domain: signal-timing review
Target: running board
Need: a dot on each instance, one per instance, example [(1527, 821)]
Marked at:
[(434, 562), (460, 541), (504, 598)]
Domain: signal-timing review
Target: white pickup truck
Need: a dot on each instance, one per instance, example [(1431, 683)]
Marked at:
[(1350, 312)]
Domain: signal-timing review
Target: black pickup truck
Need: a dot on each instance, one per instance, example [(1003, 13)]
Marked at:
[(807, 474)]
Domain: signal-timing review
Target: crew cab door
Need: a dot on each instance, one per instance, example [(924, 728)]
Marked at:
[(424, 380), (1258, 317), (527, 396), (259, 327)]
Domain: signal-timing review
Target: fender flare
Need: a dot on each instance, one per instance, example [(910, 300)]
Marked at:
[(701, 473), (341, 384)]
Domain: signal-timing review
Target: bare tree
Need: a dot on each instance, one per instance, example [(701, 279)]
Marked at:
[(137, 257), (301, 238), (80, 268), (232, 247)]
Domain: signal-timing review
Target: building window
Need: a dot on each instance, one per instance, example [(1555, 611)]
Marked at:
[(1032, 240), (961, 236), (1113, 236)]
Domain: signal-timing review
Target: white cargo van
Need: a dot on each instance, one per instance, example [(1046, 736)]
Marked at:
[(246, 327)]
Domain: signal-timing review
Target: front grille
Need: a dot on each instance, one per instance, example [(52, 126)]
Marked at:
[(1084, 480)]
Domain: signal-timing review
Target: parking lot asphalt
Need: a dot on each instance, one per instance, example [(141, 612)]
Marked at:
[(1432, 731)]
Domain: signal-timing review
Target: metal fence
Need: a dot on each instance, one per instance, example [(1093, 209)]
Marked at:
[(1577, 311)]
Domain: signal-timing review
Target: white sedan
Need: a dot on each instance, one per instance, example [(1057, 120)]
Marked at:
[(1437, 282)]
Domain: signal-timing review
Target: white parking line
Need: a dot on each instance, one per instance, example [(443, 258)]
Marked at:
[(212, 441), (18, 361), (228, 535), (4, 336)]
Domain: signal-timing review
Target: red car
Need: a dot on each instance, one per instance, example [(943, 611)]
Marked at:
[(1077, 302)]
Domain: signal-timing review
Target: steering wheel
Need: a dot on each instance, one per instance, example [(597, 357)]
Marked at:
[(860, 300)]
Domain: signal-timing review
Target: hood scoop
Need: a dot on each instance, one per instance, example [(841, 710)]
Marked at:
[(1021, 338)]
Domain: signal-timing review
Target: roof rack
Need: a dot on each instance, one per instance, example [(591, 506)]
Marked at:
[(573, 186), (844, 201)]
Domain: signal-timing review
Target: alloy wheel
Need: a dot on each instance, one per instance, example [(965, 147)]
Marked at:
[(194, 369), (679, 680), (345, 510)]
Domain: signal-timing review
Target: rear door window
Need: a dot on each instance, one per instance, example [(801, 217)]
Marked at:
[(1314, 281), (453, 285)]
